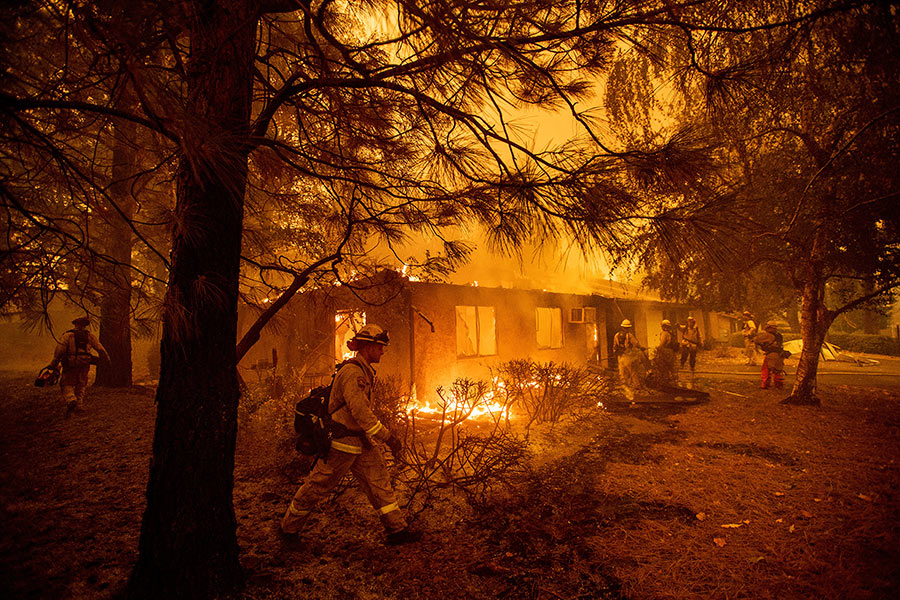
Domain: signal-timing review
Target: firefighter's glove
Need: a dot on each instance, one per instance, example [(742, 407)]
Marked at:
[(396, 447)]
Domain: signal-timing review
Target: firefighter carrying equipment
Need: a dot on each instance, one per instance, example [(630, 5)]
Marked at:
[(47, 377)]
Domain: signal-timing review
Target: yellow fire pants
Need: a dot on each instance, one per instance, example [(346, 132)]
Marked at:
[(371, 474)]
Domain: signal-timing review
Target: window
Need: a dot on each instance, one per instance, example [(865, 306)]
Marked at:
[(549, 327), (476, 331), (346, 324), (585, 314)]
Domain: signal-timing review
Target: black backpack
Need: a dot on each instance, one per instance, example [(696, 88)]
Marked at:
[(312, 421), (673, 341), (77, 354), (774, 345)]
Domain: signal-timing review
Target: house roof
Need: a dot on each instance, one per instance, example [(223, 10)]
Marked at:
[(622, 291), (604, 288)]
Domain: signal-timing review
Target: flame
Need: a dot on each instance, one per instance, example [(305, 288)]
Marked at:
[(486, 406), (404, 271)]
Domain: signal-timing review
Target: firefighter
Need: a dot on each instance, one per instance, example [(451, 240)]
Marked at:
[(351, 403), (664, 361), (74, 354), (631, 358), (770, 342), (749, 330), (690, 343)]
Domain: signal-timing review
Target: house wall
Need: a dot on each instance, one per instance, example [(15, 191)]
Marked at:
[(653, 319), (720, 327), (601, 347), (436, 359), (302, 334), (421, 319)]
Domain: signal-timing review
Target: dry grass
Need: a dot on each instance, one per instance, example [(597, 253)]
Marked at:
[(790, 502), (609, 509)]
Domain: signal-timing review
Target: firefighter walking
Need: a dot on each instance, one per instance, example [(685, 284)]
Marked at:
[(664, 365), (351, 406), (73, 353)]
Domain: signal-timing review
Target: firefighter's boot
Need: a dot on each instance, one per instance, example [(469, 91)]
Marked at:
[(404, 536), (293, 520)]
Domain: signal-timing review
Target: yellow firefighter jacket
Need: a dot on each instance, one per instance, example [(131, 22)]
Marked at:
[(351, 401)]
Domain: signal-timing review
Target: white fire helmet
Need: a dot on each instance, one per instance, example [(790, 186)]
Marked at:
[(666, 322), (372, 333), (626, 323)]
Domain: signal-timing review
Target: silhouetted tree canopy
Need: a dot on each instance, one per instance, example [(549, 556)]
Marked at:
[(804, 205), (272, 144)]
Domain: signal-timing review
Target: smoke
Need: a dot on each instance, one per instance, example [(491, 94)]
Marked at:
[(556, 265)]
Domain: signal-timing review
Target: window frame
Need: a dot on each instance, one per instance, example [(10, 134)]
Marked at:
[(555, 313), (478, 334)]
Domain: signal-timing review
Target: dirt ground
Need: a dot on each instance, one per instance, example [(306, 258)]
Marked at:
[(737, 497)]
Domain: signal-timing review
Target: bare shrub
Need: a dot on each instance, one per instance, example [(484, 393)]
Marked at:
[(266, 423), (389, 402), (444, 452), (549, 392)]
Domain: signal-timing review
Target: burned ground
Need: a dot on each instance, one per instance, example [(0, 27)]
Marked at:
[(738, 497)]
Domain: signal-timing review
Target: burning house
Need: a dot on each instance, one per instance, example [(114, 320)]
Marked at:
[(441, 331)]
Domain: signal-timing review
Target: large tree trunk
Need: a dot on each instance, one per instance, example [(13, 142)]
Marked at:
[(115, 306), (188, 545), (815, 319)]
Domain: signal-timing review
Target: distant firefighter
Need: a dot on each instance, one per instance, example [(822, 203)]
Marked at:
[(690, 343), (74, 354), (664, 365), (770, 342), (749, 330), (631, 358)]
